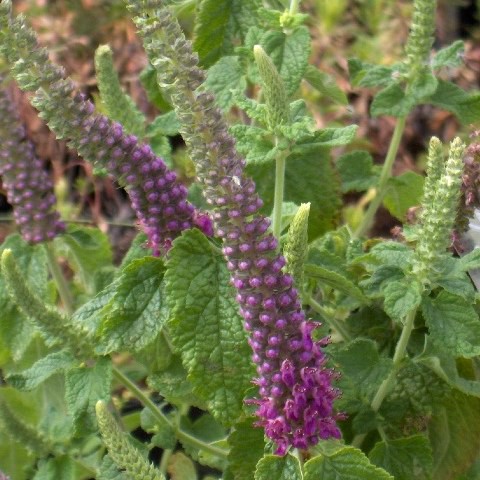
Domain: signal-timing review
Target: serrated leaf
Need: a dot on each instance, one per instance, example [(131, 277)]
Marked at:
[(325, 84), (289, 52), (364, 74), (389, 253), (453, 324), (423, 85), (246, 449), (392, 101), (87, 249), (451, 56), (218, 23), (41, 370), (404, 192), (54, 468), (302, 185), (84, 387), (362, 367), (334, 137), (166, 124), (134, 315), (458, 284), (465, 106), (279, 468), (357, 171), (380, 278), (224, 79), (470, 260), (336, 281), (347, 463), (205, 325), (454, 433), (402, 297), (405, 458)]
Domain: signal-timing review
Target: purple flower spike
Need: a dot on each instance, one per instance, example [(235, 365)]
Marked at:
[(28, 186)]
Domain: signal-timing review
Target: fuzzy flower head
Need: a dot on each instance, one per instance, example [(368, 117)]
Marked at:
[(28, 186)]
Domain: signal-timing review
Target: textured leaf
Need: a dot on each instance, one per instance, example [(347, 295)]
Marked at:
[(356, 171), (347, 463), (401, 297), (364, 74), (218, 23), (224, 79), (206, 327), (393, 254), (380, 279), (332, 137), (84, 387), (404, 192), (41, 370), (309, 178), (109, 471), (279, 468), (289, 53), (392, 101), (87, 249), (451, 56), (453, 324), (135, 316), (470, 260), (55, 468), (166, 124), (405, 458), (465, 106), (336, 281), (180, 467), (15, 460), (423, 86), (325, 84), (454, 432), (246, 449), (459, 284)]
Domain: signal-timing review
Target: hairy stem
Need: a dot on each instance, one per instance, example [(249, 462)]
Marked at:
[(387, 384), (279, 192), (293, 7), (330, 319), (163, 419), (59, 279), (384, 177)]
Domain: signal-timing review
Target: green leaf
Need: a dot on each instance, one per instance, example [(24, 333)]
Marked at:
[(84, 387), (325, 84), (390, 253), (180, 467), (364, 74), (357, 171), (336, 281), (404, 192), (54, 468), (205, 325), (423, 86), (289, 52), (402, 297), (41, 370), (246, 449), (380, 279), (451, 56), (15, 460), (166, 125), (405, 458), (465, 106), (470, 260), (453, 324), (134, 315), (302, 185), (218, 23), (279, 468), (333, 137), (362, 367), (459, 284), (109, 471), (148, 78), (454, 433), (392, 101), (347, 463), (87, 249), (224, 79)]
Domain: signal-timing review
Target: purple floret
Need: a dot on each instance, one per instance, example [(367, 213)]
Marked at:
[(28, 186)]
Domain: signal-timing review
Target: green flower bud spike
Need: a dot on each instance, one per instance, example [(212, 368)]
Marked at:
[(29, 437), (440, 205), (421, 37), (121, 451), (296, 248), (118, 105), (54, 327), (273, 89)]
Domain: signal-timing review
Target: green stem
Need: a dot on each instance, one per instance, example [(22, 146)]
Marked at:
[(163, 419), (330, 319), (385, 176), (293, 7), (387, 384), (59, 279), (279, 191)]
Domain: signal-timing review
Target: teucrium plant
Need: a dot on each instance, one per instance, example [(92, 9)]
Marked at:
[(217, 338)]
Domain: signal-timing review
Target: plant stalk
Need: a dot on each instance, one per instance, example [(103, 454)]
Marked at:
[(279, 192), (331, 320), (385, 176)]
